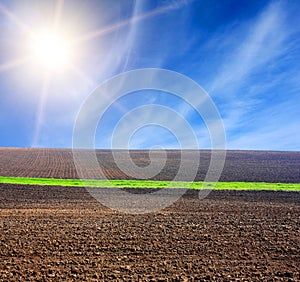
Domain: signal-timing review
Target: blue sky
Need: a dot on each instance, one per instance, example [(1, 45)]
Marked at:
[(244, 54)]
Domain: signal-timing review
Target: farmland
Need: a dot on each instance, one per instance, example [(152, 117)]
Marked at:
[(62, 233), (55, 233), (240, 166)]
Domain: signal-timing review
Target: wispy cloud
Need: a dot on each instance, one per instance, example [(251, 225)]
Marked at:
[(251, 78), (248, 78), (266, 138), (264, 40)]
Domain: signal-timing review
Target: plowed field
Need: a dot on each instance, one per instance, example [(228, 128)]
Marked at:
[(63, 234), (249, 166), (59, 234)]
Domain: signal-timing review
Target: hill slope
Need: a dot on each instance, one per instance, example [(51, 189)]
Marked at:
[(268, 166)]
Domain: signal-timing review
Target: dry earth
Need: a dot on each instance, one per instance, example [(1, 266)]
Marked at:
[(63, 234), (239, 166), (59, 234)]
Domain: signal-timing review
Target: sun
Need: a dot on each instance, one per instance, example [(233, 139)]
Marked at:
[(51, 50)]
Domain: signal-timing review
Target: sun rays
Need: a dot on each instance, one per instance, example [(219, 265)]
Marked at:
[(50, 51)]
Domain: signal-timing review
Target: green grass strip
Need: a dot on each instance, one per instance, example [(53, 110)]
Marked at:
[(151, 184)]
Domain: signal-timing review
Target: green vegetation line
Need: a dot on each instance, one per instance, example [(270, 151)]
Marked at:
[(151, 184)]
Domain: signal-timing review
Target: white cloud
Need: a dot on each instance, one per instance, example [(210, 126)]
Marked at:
[(265, 40), (268, 139), (258, 72)]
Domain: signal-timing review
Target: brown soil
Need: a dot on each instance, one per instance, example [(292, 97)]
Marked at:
[(240, 165), (63, 234)]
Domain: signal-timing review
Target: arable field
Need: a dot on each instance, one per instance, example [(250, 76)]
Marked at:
[(59, 233), (52, 233), (240, 166)]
